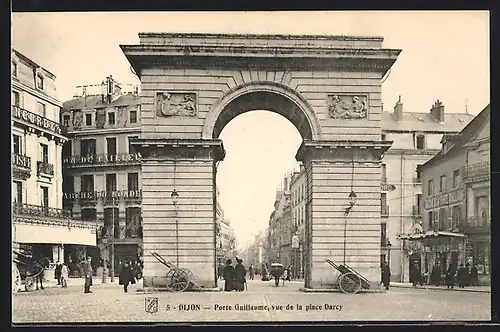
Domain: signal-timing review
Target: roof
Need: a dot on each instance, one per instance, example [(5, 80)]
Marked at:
[(418, 121), (32, 63), (463, 137), (95, 101)]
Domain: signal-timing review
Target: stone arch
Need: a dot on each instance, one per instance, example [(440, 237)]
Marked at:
[(263, 95)]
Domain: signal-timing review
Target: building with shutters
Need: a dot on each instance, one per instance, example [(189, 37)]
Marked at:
[(102, 170), (41, 227)]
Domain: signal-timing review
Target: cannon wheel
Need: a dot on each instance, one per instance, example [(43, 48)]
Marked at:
[(349, 283), (16, 279), (29, 284), (178, 280)]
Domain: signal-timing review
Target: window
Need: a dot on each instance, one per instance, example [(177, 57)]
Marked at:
[(420, 142), (443, 222), (44, 152), (133, 181), (16, 98), (68, 184), (418, 178), (88, 119), (41, 109), (111, 145), (456, 178), (45, 196), (383, 234), (89, 214), (384, 173), (436, 219), (430, 188), (442, 183), (14, 68), (40, 82), (18, 199), (111, 118), (383, 204), (87, 147), (66, 150), (17, 148), (66, 120), (133, 116), (87, 183), (418, 202), (110, 183), (431, 220), (384, 137), (455, 216), (131, 148)]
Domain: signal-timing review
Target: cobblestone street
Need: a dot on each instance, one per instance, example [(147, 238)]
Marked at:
[(108, 303)]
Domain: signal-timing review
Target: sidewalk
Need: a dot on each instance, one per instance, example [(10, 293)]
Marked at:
[(473, 289), (79, 282)]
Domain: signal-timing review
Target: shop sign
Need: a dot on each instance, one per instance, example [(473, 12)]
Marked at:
[(387, 187), (455, 196), (103, 194)]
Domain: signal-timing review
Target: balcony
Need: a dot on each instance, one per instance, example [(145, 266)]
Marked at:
[(36, 121), (417, 213), (103, 160), (476, 172), (384, 212), (21, 166), (475, 226), (31, 210), (45, 169)]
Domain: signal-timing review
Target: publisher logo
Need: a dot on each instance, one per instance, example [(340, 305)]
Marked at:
[(151, 305)]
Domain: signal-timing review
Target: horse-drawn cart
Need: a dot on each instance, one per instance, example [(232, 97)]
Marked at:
[(349, 280), (25, 271), (178, 279)]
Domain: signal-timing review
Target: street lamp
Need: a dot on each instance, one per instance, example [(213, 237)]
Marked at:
[(352, 201), (175, 198), (388, 246)]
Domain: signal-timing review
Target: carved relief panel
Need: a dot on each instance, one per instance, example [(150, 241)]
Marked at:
[(176, 104), (348, 106), (77, 120)]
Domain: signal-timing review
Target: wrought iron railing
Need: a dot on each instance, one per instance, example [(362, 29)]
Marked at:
[(103, 159), (45, 168), (40, 211), (21, 161), (477, 171), (37, 120)]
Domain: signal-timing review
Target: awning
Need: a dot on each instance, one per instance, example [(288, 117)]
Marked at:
[(29, 232), (429, 235)]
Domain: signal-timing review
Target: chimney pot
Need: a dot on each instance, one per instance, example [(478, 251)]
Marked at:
[(437, 111), (398, 110)]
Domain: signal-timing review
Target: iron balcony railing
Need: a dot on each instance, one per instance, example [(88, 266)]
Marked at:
[(475, 225), (40, 211), (103, 159), (37, 120), (45, 168), (476, 172), (21, 161)]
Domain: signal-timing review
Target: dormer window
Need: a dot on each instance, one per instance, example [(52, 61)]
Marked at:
[(40, 82), (14, 68), (420, 141)]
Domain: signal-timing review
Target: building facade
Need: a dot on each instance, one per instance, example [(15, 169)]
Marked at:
[(281, 226), (416, 138), (102, 170), (456, 206), (226, 241), (298, 197), (41, 227)]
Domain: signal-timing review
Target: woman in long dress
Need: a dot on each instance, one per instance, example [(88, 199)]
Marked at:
[(239, 275), (228, 276)]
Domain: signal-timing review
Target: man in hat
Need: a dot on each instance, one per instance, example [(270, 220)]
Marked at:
[(239, 275), (87, 271)]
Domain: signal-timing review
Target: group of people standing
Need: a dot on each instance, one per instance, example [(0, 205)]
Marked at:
[(234, 276), (61, 274)]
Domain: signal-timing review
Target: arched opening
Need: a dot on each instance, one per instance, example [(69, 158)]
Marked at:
[(253, 123)]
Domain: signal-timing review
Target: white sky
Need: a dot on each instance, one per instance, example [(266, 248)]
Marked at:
[(445, 56)]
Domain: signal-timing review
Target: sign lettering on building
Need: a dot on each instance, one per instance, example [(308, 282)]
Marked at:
[(102, 194), (455, 196), (104, 158), (36, 120)]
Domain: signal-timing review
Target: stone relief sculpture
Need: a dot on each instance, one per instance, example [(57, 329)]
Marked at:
[(77, 120), (100, 118), (347, 107), (175, 104)]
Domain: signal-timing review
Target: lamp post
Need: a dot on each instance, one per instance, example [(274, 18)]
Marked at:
[(175, 198), (388, 246), (112, 238), (352, 200), (105, 242)]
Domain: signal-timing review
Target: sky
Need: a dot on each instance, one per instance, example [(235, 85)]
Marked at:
[(445, 56)]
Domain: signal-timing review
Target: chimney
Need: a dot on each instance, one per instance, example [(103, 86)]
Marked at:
[(437, 111), (285, 184), (398, 110)]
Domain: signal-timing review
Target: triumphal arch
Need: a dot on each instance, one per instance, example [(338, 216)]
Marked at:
[(329, 87)]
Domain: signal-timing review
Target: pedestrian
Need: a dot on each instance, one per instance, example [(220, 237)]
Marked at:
[(474, 276), (463, 276), (126, 276), (251, 271), (436, 275), (415, 275), (276, 272), (386, 275), (228, 276), (64, 275), (239, 275), (87, 272), (450, 277), (468, 280), (57, 272)]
